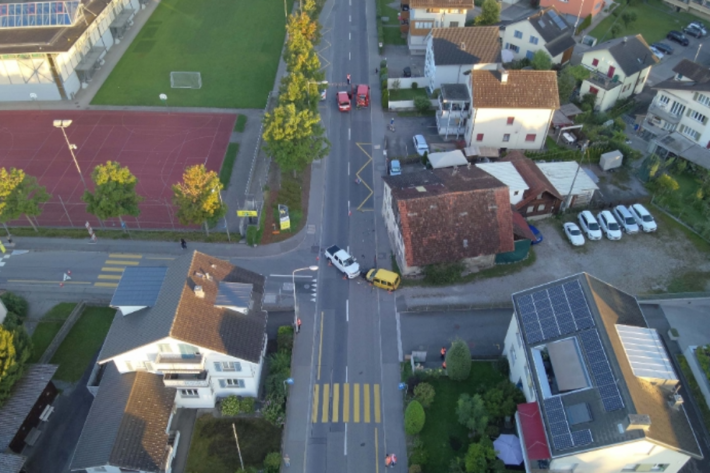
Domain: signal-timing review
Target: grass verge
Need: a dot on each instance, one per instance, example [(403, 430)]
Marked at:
[(225, 174), (407, 94), (695, 390), (393, 36), (48, 327), (212, 446), (428, 113), (157, 235), (82, 342), (240, 124)]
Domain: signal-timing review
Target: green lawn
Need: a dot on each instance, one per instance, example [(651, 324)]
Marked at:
[(234, 44), (83, 341), (654, 21), (407, 94), (225, 174), (240, 123), (694, 388), (212, 449), (48, 327), (393, 36)]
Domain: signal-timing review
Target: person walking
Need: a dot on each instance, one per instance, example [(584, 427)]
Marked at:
[(394, 459), (298, 325), (287, 461), (443, 353), (348, 78), (388, 461), (183, 243)]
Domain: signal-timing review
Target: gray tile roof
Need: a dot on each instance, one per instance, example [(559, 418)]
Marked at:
[(180, 314), (608, 307), (466, 46), (630, 52), (699, 78), (25, 394), (554, 29), (139, 286), (455, 92), (11, 463)]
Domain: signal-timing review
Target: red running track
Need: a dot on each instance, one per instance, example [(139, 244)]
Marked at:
[(156, 147)]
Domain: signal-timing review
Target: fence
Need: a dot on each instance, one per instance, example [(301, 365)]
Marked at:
[(402, 105), (406, 82)]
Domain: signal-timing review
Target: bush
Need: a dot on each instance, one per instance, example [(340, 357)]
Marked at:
[(249, 469), (383, 63), (15, 304), (414, 418), (273, 411), (246, 405), (280, 362), (443, 274), (415, 86), (385, 99), (424, 393), (284, 338), (471, 412), (275, 384), (252, 235), (230, 406), (415, 469), (458, 360), (493, 431), (272, 462), (419, 456), (422, 104)]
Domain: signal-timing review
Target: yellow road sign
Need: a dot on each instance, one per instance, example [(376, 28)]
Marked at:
[(2, 248), (246, 213)]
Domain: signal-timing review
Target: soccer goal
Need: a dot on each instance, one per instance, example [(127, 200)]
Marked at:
[(185, 80)]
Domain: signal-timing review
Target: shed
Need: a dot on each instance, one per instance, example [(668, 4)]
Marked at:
[(611, 160), (447, 159), (563, 176)]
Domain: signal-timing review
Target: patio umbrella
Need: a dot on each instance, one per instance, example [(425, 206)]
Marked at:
[(509, 450)]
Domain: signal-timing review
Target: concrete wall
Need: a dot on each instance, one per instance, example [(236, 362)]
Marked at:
[(406, 82), (398, 105)]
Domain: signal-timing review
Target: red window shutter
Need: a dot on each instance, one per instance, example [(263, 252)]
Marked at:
[(611, 71), (511, 120), (530, 137), (479, 137), (593, 90), (595, 62)]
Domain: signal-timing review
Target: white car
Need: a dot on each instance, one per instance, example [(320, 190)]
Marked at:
[(420, 145), (700, 26), (342, 260), (589, 225), (574, 235), (323, 94), (656, 52), (609, 225), (625, 219), (643, 218)]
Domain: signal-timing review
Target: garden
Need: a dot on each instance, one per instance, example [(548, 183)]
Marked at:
[(48, 327)]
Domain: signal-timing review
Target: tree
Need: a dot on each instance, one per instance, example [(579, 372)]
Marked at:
[(424, 393), (414, 418), (665, 184), (490, 13), (579, 72), (22, 196), (471, 412), (541, 61), (615, 30), (114, 194), (458, 360), (628, 18), (9, 183), (566, 84), (197, 197), (480, 456), (502, 400), (422, 104), (294, 138), (15, 350)]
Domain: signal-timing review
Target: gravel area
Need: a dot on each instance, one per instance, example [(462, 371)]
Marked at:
[(637, 264)]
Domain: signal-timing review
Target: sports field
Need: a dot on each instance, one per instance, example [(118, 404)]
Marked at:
[(234, 44)]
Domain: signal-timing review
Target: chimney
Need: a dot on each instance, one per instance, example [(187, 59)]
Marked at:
[(636, 422), (624, 40), (503, 76), (199, 292)]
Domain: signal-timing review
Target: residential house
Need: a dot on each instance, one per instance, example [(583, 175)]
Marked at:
[(541, 199), (422, 16), (578, 9), (571, 182), (510, 109), (677, 120), (453, 111), (698, 8), (447, 215), (601, 390), (451, 53), (546, 30), (619, 68), (184, 336)]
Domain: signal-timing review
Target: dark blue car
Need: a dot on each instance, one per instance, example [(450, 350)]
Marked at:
[(538, 235)]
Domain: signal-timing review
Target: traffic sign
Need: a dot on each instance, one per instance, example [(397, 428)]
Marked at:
[(247, 213)]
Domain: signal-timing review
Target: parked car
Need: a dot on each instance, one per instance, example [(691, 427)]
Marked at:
[(609, 225), (574, 235), (538, 235), (663, 47), (395, 168), (643, 218), (678, 37), (420, 145), (589, 225), (656, 52), (700, 26), (693, 31), (625, 219), (323, 94), (407, 72)]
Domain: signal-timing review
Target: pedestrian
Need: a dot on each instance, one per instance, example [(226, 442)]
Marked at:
[(388, 461), (392, 121), (287, 461), (443, 353), (183, 243), (443, 365), (298, 325), (348, 78), (376, 71), (394, 459)]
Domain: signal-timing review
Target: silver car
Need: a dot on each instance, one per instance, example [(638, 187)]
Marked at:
[(420, 145)]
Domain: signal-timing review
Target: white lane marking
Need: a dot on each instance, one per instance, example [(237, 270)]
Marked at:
[(288, 276), (346, 374), (349, 57), (399, 332), (349, 136), (348, 249), (350, 36), (347, 310), (348, 169), (345, 444), (350, 18)]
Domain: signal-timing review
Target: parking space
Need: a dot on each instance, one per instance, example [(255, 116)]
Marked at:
[(398, 58)]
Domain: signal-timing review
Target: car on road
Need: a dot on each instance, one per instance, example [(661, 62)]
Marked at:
[(678, 37), (609, 225), (420, 145), (342, 260), (537, 233), (395, 168), (323, 94), (693, 31), (625, 219), (663, 47), (382, 278), (643, 218), (656, 52), (574, 234), (589, 225), (407, 72), (700, 26)]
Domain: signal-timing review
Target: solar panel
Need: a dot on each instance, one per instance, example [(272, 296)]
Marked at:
[(567, 326), (34, 14), (534, 337), (560, 428), (553, 403), (539, 296), (562, 442), (613, 403), (557, 20), (550, 331), (582, 437), (584, 323), (555, 416)]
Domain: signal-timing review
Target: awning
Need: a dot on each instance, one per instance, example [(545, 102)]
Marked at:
[(533, 431), (567, 365)]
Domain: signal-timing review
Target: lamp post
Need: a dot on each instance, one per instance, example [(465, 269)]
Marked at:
[(288, 381), (295, 302), (225, 215), (62, 125)]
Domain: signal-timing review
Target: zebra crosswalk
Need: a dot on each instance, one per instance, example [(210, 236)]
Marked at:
[(346, 403), (115, 264)]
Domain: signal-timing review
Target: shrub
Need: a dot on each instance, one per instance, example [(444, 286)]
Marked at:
[(414, 418), (385, 99), (412, 383), (424, 393), (284, 338), (458, 360), (230, 406), (246, 405), (280, 362), (383, 63), (272, 462), (415, 86), (252, 235), (16, 304), (249, 469), (471, 412), (492, 431), (273, 410), (275, 384), (419, 456), (422, 104), (503, 367), (415, 469), (443, 274)]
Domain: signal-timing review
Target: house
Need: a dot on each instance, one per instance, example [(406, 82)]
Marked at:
[(546, 30), (42, 62), (541, 199), (453, 111), (619, 68), (445, 216), (506, 173), (677, 120), (579, 9), (699, 9), (566, 174), (419, 17), (601, 390), (451, 53), (184, 336), (510, 109)]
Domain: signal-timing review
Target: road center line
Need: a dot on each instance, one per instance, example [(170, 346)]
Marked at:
[(345, 443), (377, 454), (320, 348), (349, 57), (347, 311), (348, 163), (348, 140), (350, 36), (350, 18), (346, 374)]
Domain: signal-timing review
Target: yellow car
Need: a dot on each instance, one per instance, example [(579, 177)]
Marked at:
[(383, 278)]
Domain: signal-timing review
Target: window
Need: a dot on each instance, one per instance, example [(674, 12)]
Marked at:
[(687, 131), (541, 208), (669, 126), (518, 34), (516, 192), (506, 137), (189, 393), (531, 209), (677, 108), (595, 62), (479, 137), (660, 467), (697, 116), (702, 99), (626, 87), (231, 383), (533, 39), (188, 350), (227, 366), (512, 355), (630, 467), (510, 120), (663, 100), (530, 137), (164, 348), (530, 55), (423, 25), (646, 467), (454, 24), (593, 90), (512, 47)]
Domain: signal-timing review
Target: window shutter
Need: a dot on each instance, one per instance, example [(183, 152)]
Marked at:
[(217, 366), (222, 383), (695, 96)]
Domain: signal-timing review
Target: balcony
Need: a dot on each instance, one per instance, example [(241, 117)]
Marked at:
[(663, 113), (604, 81), (175, 363), (182, 380)]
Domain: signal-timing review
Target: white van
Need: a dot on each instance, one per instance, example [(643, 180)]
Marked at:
[(625, 219), (643, 218)]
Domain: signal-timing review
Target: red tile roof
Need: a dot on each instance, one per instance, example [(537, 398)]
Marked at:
[(533, 431), (532, 175), (521, 227), (523, 89)]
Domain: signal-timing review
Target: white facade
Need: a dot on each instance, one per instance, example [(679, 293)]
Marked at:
[(683, 111), (493, 127), (514, 351), (523, 40), (422, 20), (395, 234), (506, 173), (449, 74)]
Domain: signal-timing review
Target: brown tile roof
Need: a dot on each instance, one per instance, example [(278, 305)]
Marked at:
[(524, 89), (448, 215), (532, 175), (468, 4), (469, 45), (521, 228)]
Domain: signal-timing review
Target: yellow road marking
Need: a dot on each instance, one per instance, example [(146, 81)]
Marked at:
[(108, 276), (369, 160), (124, 255), (112, 269), (105, 284), (124, 263), (314, 410), (356, 402), (377, 403), (336, 401), (158, 257), (39, 281), (377, 454), (326, 402), (320, 348), (366, 393), (346, 402)]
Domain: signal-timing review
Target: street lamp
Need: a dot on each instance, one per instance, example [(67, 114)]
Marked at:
[(225, 215), (295, 302), (288, 381), (62, 125)]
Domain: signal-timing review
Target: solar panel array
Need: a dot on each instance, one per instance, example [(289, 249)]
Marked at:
[(36, 14), (559, 310), (557, 20), (601, 371), (562, 437)]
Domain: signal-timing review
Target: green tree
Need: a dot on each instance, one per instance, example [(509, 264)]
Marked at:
[(615, 30), (480, 456), (490, 13), (458, 360), (566, 84), (665, 184), (579, 72), (471, 412), (502, 400), (114, 194), (422, 104), (272, 462), (229, 406), (9, 183), (15, 350), (628, 18), (294, 138), (424, 393), (414, 418), (541, 61), (197, 197), (28, 197)]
